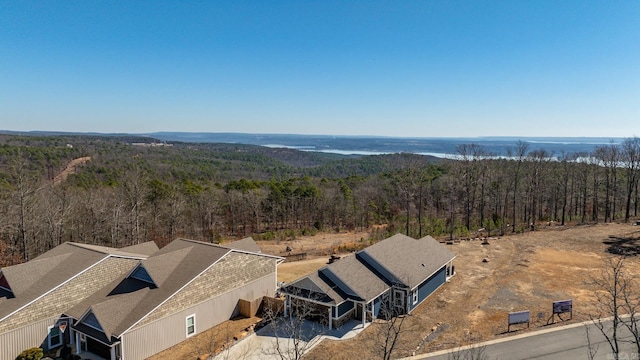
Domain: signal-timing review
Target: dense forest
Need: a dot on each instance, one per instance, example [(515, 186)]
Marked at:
[(137, 189)]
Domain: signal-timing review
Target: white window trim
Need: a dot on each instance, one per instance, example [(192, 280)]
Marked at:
[(49, 338), (186, 321), (399, 298), (414, 297)]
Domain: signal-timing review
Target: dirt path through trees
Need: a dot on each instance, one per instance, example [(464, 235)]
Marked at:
[(70, 169)]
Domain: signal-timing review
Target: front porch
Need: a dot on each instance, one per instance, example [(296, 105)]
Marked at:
[(86, 355)]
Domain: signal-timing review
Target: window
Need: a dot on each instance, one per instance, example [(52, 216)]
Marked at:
[(92, 321), (83, 342), (414, 297), (141, 274), (55, 336), (191, 325), (399, 298)]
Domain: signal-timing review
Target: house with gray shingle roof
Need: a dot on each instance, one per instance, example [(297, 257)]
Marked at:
[(183, 289), (395, 274), (118, 304), (35, 294)]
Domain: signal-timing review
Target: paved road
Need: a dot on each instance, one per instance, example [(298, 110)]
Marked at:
[(569, 342)]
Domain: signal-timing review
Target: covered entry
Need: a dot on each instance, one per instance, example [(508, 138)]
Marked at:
[(98, 348), (90, 340)]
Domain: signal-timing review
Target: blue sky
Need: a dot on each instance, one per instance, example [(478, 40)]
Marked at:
[(395, 68)]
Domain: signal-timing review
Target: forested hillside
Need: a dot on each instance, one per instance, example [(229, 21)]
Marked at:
[(138, 189)]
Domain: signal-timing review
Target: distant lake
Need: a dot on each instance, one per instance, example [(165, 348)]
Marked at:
[(378, 145)]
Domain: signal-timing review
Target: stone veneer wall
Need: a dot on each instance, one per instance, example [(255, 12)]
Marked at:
[(70, 294), (234, 270)]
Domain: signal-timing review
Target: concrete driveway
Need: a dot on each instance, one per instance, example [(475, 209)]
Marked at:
[(264, 344)]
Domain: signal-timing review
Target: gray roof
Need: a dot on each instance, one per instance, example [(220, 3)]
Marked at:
[(366, 284), (125, 304), (147, 248), (171, 268), (30, 280), (410, 260), (246, 244), (313, 283)]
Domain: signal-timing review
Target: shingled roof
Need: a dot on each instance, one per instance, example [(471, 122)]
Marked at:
[(171, 268), (313, 287), (246, 244), (409, 260), (353, 273), (33, 279)]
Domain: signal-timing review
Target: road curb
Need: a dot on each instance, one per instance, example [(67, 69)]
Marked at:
[(508, 338)]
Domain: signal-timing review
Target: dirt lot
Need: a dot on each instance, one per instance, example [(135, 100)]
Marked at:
[(210, 341), (524, 272)]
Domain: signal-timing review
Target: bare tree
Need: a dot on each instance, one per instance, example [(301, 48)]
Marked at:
[(218, 340), (295, 334), (7, 257), (616, 293), (388, 330), (592, 349), (471, 351), (520, 154), (631, 160)]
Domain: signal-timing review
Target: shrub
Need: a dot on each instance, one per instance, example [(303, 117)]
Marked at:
[(31, 354)]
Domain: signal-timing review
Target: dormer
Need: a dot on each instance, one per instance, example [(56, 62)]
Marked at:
[(140, 273), (92, 321), (5, 289)]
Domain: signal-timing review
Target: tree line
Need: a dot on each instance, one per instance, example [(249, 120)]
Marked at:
[(129, 194)]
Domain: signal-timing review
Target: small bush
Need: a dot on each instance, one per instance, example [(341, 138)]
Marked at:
[(269, 235), (31, 354)]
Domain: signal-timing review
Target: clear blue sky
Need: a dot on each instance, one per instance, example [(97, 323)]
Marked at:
[(398, 68)]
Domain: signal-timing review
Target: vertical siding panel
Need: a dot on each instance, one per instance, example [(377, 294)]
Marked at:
[(33, 335), (151, 338)]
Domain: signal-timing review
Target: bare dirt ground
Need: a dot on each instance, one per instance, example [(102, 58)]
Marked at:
[(208, 342), (70, 169), (321, 244), (524, 272), (318, 249)]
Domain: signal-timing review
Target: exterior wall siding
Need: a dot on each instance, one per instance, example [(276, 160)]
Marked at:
[(428, 287), (377, 302), (153, 337), (234, 270), (344, 308), (32, 335), (69, 294)]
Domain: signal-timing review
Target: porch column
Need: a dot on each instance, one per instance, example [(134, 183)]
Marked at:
[(112, 351), (373, 312), (330, 317), (286, 299), (78, 349), (364, 314)]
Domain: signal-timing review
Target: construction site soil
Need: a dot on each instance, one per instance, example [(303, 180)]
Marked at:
[(527, 271)]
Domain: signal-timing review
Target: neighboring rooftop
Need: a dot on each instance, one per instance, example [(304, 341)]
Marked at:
[(29, 281), (246, 244)]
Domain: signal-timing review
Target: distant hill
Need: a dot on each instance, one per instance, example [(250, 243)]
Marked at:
[(362, 145), (382, 145)]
